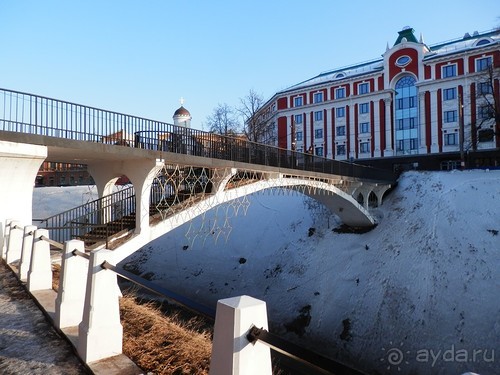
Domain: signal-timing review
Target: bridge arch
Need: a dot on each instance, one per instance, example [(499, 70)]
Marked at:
[(336, 200)]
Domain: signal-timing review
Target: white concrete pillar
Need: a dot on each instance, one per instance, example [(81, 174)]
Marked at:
[(434, 122), (2, 238), (27, 249), (221, 177), (72, 285), (19, 164), (40, 273), (5, 238), (352, 134), (232, 353), (15, 243), (100, 333), (140, 172)]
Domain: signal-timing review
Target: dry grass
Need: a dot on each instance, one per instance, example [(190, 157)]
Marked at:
[(56, 269), (163, 344), (159, 343)]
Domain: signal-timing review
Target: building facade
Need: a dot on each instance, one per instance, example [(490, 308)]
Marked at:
[(416, 100)]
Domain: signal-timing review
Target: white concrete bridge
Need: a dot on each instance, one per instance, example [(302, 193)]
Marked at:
[(203, 168), (177, 174)]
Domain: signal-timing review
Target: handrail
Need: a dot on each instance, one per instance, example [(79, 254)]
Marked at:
[(76, 221), (33, 114), (187, 303), (305, 356), (110, 196), (52, 242)]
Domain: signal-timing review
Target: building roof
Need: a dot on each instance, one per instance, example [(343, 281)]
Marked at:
[(182, 112), (406, 35), (467, 42)]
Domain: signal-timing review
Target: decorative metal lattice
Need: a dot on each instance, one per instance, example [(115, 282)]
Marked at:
[(181, 193)]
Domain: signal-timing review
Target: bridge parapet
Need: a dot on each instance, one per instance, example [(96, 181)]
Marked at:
[(23, 113)]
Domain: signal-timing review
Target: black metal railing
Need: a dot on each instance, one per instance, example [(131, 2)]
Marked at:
[(101, 213), (33, 114), (186, 302), (307, 357)]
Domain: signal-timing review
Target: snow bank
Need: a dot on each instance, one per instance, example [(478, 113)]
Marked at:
[(417, 294)]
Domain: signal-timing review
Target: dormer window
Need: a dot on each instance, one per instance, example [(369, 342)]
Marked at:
[(483, 42), (403, 61), (340, 75)]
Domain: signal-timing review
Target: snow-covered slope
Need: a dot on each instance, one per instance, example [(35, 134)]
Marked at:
[(419, 294)]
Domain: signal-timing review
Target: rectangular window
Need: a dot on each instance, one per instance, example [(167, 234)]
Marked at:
[(318, 97), (484, 88), (298, 119), (340, 131), (364, 127), (363, 88), (319, 151), (340, 93), (406, 123), (483, 63), (318, 133), (298, 136), (450, 116), (364, 108), (318, 115), (484, 112), (340, 112), (450, 94), (297, 102), (485, 135), (450, 139), (364, 147), (405, 103), (413, 143), (449, 70), (405, 145), (340, 149)]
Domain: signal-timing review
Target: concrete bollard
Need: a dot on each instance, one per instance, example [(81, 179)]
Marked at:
[(232, 353), (5, 238), (2, 238), (40, 273), (26, 250), (72, 283), (100, 333), (15, 243)]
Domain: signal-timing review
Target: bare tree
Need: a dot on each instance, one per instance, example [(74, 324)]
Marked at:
[(487, 98), (222, 120), (256, 126)]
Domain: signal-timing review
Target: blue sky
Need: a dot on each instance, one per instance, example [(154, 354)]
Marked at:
[(141, 57)]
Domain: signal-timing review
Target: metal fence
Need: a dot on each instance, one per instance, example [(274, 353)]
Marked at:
[(33, 114), (78, 221)]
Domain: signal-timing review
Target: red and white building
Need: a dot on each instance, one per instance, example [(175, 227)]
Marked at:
[(416, 100)]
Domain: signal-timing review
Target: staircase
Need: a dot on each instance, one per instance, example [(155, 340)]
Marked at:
[(108, 221)]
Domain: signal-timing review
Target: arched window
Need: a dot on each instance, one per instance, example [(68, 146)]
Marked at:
[(483, 42), (406, 116)]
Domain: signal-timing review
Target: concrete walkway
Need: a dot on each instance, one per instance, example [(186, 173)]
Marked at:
[(28, 343)]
